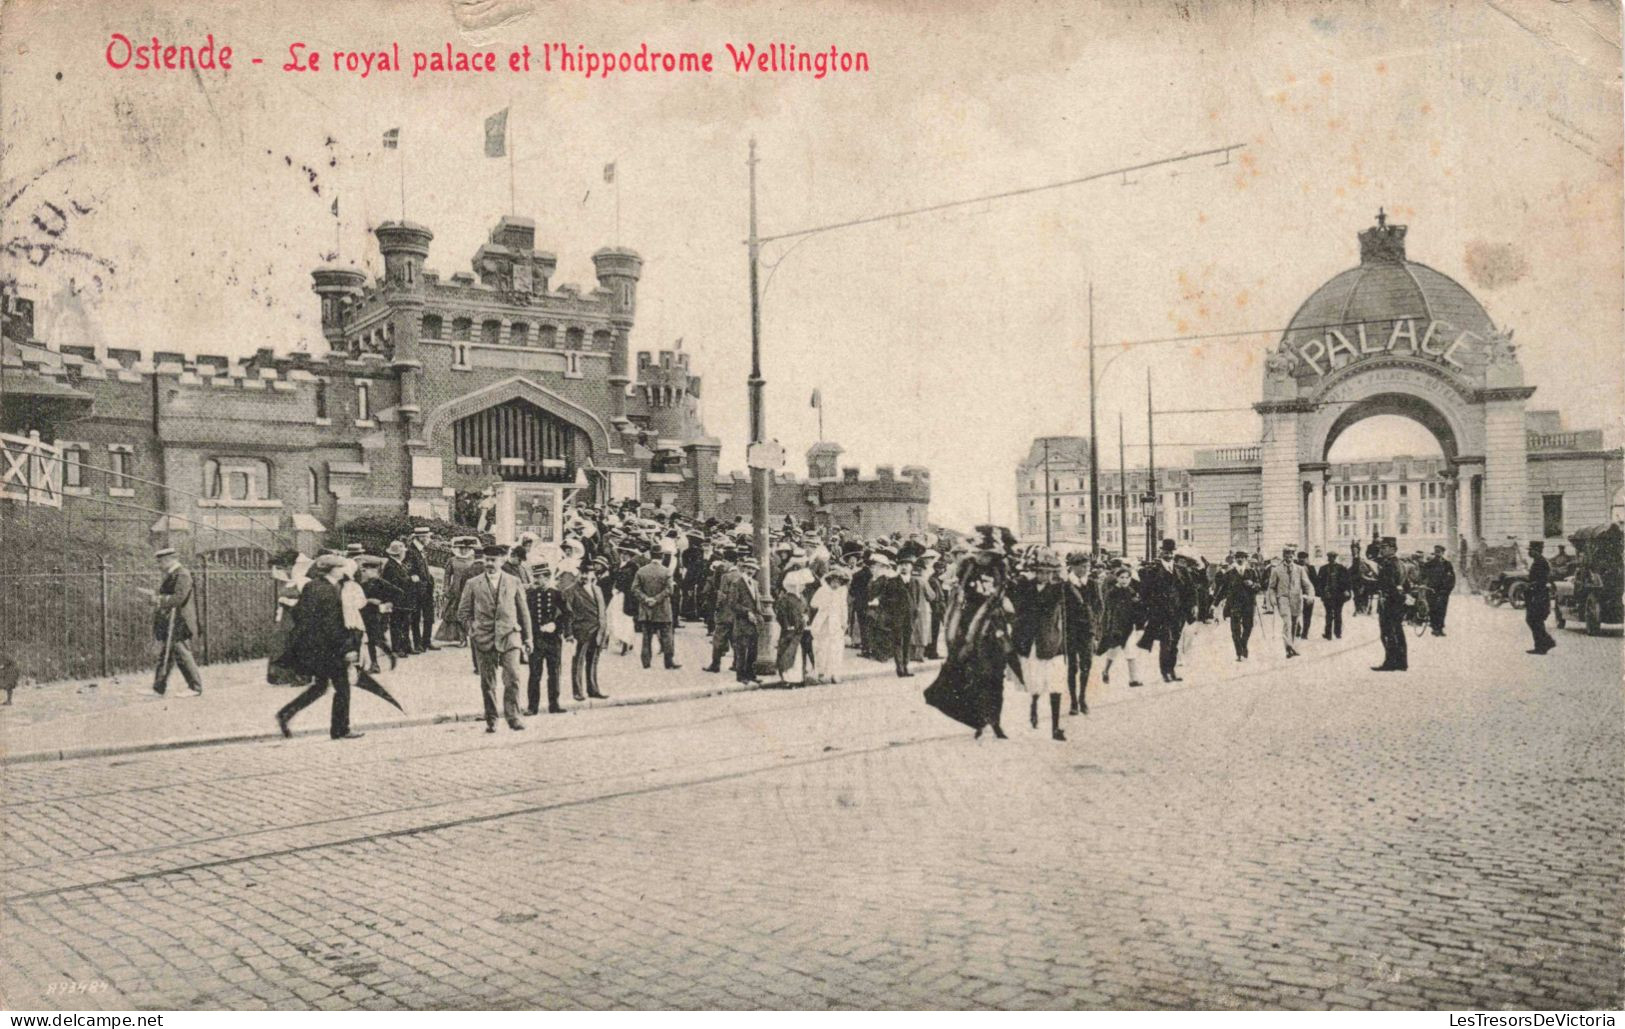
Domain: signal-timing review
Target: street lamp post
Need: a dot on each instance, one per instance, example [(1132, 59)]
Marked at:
[(760, 478)]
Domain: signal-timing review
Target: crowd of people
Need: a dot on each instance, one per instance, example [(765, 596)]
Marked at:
[(626, 578)]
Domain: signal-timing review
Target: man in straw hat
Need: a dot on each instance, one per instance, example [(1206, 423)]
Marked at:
[(174, 623)]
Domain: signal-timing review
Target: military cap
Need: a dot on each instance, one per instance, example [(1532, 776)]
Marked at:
[(421, 531)]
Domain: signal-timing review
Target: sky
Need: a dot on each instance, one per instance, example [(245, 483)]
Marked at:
[(185, 211)]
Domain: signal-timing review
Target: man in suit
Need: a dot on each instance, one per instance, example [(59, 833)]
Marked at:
[(546, 607), (1391, 603), (1238, 588), (1288, 583), (417, 566), (1080, 632), (174, 623), (653, 587), (588, 625), (493, 610), (722, 626), (1439, 575), (1538, 600), (742, 611), (325, 645), (1309, 576), (404, 614), (1163, 596), (1334, 593)]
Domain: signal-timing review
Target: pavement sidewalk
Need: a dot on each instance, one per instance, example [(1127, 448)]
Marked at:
[(121, 714)]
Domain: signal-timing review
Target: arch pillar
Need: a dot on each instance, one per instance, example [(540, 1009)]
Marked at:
[(1280, 496), (1506, 466)]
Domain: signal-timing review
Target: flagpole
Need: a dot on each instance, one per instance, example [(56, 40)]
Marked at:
[(402, 155), (617, 199), (513, 208)]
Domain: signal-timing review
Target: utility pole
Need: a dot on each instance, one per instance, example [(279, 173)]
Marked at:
[(1122, 483), (1094, 449), (1151, 439), (1046, 493), (759, 477)]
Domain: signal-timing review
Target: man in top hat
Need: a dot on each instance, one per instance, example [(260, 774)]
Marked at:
[(498, 623), (1288, 585), (174, 623), (1391, 603), (417, 566), (404, 616), (1164, 599), (1439, 575), (1538, 599), (1334, 593), (326, 643)]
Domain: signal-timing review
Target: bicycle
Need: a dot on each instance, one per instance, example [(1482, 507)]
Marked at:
[(1417, 615)]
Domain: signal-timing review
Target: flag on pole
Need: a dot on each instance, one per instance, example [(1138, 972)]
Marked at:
[(609, 172), (496, 134), (392, 139), (818, 399)]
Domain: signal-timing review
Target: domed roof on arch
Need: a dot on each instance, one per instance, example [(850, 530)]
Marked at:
[(1386, 286)]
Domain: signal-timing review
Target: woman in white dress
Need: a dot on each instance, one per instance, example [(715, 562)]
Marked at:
[(828, 626)]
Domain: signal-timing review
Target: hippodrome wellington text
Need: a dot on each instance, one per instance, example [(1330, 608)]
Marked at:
[(139, 54)]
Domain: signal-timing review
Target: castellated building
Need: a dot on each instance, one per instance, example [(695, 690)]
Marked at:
[(424, 396)]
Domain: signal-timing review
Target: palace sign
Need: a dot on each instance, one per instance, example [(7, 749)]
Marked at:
[(1437, 340)]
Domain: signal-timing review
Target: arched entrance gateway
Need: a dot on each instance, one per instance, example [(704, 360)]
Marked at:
[(1393, 337)]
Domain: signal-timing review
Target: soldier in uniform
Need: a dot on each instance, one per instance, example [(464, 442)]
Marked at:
[(1440, 578), (1391, 603), (1538, 601), (726, 574), (174, 623)]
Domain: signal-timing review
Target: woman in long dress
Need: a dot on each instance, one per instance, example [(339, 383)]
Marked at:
[(828, 626)]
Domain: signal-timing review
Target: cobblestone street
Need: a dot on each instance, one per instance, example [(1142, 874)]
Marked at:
[(1305, 835)]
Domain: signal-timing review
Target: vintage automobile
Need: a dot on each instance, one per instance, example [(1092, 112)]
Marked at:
[(1493, 570), (1595, 595)]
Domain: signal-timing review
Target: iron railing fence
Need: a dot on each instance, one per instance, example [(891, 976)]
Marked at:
[(83, 622)]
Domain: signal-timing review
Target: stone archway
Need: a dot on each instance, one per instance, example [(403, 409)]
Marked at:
[(598, 434), (1392, 336)]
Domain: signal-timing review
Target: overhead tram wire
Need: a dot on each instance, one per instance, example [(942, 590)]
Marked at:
[(1002, 195)]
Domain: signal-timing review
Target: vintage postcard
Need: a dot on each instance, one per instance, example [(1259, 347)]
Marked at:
[(514, 504)]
